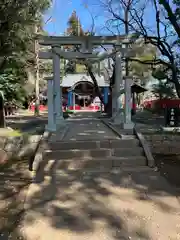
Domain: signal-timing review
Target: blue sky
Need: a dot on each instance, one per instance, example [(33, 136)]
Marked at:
[(62, 9), (60, 12)]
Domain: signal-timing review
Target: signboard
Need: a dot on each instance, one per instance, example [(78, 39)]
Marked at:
[(172, 117)]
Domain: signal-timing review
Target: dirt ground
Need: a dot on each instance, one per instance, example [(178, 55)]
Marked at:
[(169, 167), (14, 181)]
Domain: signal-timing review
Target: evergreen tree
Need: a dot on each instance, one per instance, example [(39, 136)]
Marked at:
[(18, 20), (75, 29)]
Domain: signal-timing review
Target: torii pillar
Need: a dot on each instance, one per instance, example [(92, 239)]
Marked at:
[(59, 119), (128, 124), (122, 114), (118, 116), (54, 94), (51, 126)]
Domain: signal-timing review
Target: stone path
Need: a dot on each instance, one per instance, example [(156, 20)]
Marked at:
[(133, 203), (106, 206), (88, 129)]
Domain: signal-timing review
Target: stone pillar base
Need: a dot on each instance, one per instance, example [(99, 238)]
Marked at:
[(118, 118), (60, 121), (128, 126), (50, 128)]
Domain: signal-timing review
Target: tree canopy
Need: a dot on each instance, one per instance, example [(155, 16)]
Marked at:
[(17, 34)]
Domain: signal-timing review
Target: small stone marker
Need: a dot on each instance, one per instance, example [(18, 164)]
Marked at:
[(172, 117)]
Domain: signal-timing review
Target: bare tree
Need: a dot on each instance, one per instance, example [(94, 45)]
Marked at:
[(162, 34), (172, 15)]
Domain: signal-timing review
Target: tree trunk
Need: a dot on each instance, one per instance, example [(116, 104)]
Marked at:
[(96, 87), (177, 87), (2, 64), (176, 82), (2, 114), (126, 25), (171, 16)]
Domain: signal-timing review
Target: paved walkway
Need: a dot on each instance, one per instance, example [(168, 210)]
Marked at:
[(85, 126), (129, 204), (88, 128)]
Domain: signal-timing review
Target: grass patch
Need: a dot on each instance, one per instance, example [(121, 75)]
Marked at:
[(5, 132)]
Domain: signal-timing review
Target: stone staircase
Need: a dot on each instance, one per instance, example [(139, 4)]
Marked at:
[(95, 155)]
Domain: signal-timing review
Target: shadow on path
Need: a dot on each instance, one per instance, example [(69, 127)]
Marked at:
[(123, 204), (14, 181)]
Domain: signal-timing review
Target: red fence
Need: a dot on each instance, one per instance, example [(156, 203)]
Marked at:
[(90, 108), (170, 103), (41, 108)]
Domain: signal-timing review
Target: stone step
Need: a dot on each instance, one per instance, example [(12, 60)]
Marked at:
[(124, 168), (85, 145), (93, 153), (96, 164), (51, 166), (88, 174)]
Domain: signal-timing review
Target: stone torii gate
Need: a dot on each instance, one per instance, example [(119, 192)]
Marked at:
[(86, 43)]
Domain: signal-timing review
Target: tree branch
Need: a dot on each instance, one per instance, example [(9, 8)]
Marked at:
[(150, 62), (171, 16)]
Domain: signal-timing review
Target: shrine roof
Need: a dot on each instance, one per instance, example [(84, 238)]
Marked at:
[(71, 79)]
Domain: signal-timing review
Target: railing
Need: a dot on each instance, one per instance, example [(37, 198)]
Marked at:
[(163, 103)]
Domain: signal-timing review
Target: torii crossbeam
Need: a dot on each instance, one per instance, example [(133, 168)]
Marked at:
[(86, 44)]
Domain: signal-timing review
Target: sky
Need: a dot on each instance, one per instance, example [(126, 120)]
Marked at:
[(61, 11)]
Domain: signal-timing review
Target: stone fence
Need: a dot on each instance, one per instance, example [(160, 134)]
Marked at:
[(21, 147), (166, 144)]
